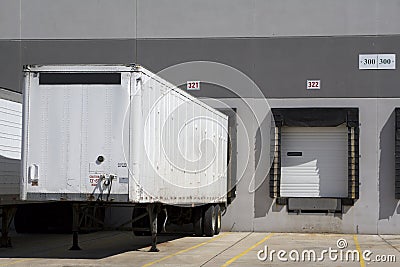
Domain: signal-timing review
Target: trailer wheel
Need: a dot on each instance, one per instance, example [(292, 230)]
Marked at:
[(218, 218), (142, 224), (209, 221), (198, 221)]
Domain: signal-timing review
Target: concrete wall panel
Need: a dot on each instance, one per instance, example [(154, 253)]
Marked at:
[(74, 19), (268, 216), (48, 19), (260, 18), (279, 66), (9, 19), (10, 67), (15, 54)]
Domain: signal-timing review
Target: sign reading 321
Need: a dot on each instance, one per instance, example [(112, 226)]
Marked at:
[(193, 85)]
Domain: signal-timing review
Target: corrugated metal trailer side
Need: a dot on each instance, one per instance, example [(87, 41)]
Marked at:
[(183, 159)]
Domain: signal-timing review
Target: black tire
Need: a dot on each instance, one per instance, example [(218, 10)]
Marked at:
[(218, 218), (198, 221), (209, 221), (142, 223)]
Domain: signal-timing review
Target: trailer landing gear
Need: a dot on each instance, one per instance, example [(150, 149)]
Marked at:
[(75, 227), (86, 217), (153, 211), (7, 215)]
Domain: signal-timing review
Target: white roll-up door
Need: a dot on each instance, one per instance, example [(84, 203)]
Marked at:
[(314, 162), (10, 146)]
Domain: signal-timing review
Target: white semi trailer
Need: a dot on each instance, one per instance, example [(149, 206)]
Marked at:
[(10, 144), (10, 157), (121, 135)]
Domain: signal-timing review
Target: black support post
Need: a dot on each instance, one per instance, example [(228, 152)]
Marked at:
[(75, 227), (7, 215), (153, 210), (397, 153)]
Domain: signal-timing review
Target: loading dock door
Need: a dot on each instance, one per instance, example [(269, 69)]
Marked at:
[(314, 162)]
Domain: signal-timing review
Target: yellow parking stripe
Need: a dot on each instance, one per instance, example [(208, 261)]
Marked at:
[(229, 262), (15, 262), (184, 250), (362, 262)]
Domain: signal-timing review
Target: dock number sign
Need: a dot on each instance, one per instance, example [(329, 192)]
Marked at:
[(193, 85), (313, 84), (377, 61)]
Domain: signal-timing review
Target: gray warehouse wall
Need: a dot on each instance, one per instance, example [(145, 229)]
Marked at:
[(279, 66), (376, 211), (279, 44), (99, 19)]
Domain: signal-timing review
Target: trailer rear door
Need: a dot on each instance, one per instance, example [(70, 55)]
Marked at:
[(73, 131)]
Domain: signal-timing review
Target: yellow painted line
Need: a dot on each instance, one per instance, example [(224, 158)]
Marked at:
[(362, 262), (15, 262), (229, 262), (184, 250)]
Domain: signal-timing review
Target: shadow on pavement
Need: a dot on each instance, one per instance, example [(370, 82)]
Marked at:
[(97, 245)]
